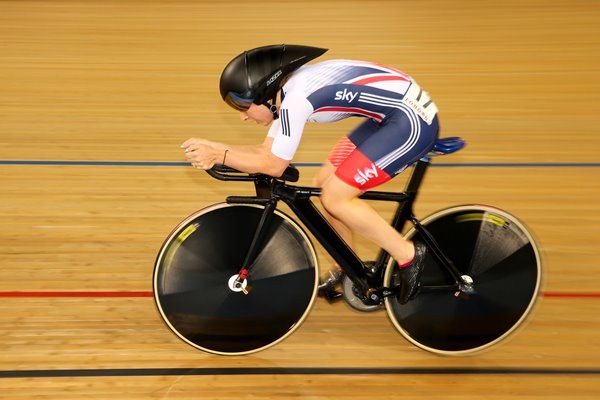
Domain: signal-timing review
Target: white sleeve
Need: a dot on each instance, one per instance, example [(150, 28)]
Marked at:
[(275, 129), (287, 130)]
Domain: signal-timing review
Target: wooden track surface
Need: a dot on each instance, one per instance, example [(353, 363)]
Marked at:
[(128, 81)]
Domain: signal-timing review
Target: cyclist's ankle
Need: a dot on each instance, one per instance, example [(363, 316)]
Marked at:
[(409, 261)]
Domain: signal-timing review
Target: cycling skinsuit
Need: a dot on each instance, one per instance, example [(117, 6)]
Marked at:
[(401, 126)]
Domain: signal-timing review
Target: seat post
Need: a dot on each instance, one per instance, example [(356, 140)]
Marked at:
[(417, 175), (405, 209)]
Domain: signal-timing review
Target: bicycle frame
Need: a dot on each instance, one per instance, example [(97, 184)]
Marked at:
[(366, 279)]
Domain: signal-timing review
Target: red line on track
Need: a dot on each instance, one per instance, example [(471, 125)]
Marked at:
[(76, 294), (573, 295)]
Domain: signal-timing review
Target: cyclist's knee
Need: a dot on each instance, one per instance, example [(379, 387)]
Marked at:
[(336, 195), (331, 202)]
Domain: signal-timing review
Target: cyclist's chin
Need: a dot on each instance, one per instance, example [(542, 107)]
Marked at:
[(260, 121)]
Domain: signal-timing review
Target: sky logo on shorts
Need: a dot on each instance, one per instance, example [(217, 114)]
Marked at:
[(362, 177)]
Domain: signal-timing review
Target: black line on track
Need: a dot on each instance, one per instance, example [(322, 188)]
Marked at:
[(80, 373)]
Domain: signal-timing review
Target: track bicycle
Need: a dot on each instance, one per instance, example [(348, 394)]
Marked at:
[(240, 276)]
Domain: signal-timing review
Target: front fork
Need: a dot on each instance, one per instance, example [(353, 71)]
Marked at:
[(239, 282)]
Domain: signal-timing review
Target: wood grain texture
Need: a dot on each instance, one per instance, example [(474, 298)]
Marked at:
[(131, 80)]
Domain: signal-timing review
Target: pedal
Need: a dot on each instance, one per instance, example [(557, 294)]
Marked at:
[(331, 295), (327, 288)]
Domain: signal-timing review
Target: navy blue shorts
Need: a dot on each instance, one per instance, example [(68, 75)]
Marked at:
[(374, 152)]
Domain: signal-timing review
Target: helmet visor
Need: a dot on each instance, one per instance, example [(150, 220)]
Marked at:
[(240, 103)]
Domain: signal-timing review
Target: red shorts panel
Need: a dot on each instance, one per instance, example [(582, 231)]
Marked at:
[(341, 151), (360, 172)]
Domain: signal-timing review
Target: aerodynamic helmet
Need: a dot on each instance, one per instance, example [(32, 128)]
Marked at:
[(255, 75)]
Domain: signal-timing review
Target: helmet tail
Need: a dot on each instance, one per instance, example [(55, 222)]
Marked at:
[(291, 57)]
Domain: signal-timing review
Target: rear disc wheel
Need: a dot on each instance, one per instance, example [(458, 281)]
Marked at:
[(495, 251)]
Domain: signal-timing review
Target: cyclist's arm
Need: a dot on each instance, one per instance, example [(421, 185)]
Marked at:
[(271, 157), (274, 155), (256, 159), (251, 159)]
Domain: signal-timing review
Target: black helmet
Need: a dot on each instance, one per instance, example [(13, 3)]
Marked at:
[(255, 75)]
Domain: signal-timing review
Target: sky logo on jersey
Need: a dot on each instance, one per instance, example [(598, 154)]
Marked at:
[(345, 95), (364, 176)]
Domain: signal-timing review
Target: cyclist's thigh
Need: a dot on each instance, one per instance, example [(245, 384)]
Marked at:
[(342, 150), (384, 150), (323, 173)]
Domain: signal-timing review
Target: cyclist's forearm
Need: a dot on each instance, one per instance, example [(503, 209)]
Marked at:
[(253, 159), (204, 154)]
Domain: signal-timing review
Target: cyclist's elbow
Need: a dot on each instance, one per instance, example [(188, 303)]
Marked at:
[(275, 166)]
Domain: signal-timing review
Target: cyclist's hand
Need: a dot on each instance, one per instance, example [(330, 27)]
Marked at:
[(199, 153), (194, 141)]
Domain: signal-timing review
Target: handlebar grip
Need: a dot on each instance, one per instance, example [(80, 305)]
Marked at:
[(224, 173), (224, 169)]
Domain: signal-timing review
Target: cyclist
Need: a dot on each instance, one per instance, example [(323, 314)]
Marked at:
[(272, 86)]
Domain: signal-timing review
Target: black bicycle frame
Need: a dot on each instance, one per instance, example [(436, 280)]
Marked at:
[(298, 198)]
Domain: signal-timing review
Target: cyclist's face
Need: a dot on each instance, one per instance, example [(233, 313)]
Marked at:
[(257, 113)]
